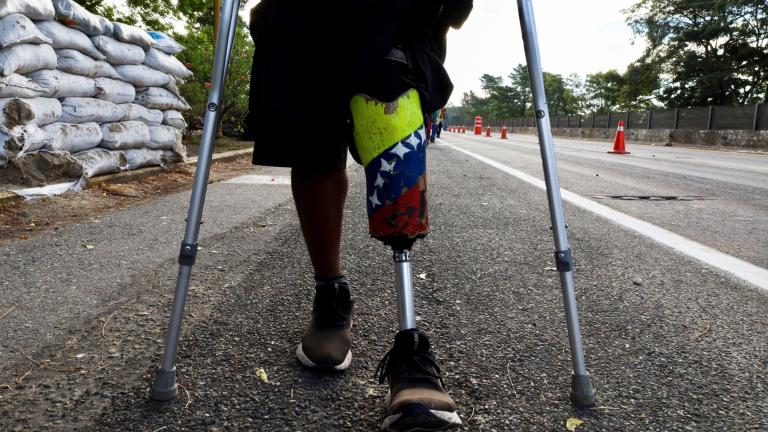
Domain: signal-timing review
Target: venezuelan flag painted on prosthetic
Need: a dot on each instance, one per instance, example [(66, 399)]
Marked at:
[(391, 141)]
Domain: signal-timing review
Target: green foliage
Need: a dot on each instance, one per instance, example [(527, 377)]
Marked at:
[(148, 14), (515, 100), (199, 58), (604, 91), (709, 52)]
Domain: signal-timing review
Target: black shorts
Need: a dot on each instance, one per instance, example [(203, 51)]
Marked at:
[(306, 68)]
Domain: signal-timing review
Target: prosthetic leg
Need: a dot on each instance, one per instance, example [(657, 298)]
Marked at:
[(391, 140)]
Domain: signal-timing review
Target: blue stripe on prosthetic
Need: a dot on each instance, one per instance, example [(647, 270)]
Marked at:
[(395, 170)]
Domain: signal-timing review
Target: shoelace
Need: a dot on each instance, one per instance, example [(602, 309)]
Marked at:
[(418, 364)]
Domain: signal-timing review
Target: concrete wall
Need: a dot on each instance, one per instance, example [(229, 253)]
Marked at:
[(735, 139)]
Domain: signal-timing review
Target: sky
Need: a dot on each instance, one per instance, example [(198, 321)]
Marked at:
[(582, 37)]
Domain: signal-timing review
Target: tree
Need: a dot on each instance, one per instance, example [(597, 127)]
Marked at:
[(199, 58), (604, 91), (515, 100), (709, 52), (148, 14)]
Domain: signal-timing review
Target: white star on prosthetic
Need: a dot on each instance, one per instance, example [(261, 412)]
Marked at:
[(400, 150), (374, 199), (386, 166), (379, 181), (413, 141)]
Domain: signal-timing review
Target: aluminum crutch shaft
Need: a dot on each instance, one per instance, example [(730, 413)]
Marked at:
[(582, 392), (164, 386)]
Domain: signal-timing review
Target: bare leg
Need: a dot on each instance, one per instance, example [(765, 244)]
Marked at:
[(319, 202)]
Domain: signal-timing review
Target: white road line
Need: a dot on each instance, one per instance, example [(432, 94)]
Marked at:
[(751, 273), (260, 180)]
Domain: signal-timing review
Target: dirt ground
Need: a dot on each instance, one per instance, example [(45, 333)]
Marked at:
[(20, 220)]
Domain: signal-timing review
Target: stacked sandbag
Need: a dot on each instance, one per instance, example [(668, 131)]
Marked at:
[(74, 82)]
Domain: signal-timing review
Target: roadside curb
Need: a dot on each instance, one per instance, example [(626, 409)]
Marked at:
[(8, 196)]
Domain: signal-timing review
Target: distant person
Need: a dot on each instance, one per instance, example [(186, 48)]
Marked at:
[(310, 59), (441, 122), (434, 121)]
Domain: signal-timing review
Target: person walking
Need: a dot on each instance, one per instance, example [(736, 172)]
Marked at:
[(310, 59)]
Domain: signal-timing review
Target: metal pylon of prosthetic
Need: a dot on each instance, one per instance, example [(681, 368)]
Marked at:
[(582, 392), (164, 386), (406, 312)]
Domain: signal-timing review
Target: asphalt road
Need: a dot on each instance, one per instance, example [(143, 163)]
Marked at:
[(672, 343)]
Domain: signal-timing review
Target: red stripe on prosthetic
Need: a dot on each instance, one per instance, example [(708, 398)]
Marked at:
[(406, 217)]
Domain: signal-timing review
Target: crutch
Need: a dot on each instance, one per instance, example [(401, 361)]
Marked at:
[(164, 386), (582, 392)]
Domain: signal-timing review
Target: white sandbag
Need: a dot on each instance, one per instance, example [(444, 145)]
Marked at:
[(165, 43), (18, 112), (167, 63), (142, 76), (151, 117), (24, 139), (124, 135), (139, 158), (172, 86), (174, 157), (73, 15), (45, 110), (64, 37), (34, 9), (17, 29), (61, 84), (75, 62), (82, 110), (16, 85), (160, 98), (174, 119), (163, 138), (100, 161), (132, 35), (118, 53), (73, 137), (4, 154), (115, 91), (25, 58)]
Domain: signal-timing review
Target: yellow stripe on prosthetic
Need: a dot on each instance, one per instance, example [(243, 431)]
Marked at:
[(379, 125)]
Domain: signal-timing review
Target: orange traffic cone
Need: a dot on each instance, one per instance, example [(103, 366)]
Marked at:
[(488, 131), (504, 133), (463, 129), (618, 142)]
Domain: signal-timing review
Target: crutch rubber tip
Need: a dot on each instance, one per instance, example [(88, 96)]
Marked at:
[(582, 392), (164, 388)]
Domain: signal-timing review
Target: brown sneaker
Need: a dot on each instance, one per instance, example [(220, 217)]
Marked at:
[(417, 399), (328, 337)]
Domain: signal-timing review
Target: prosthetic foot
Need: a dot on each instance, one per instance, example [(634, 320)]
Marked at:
[(390, 141)]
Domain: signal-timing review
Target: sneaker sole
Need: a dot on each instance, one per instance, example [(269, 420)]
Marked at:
[(304, 360), (418, 418)]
